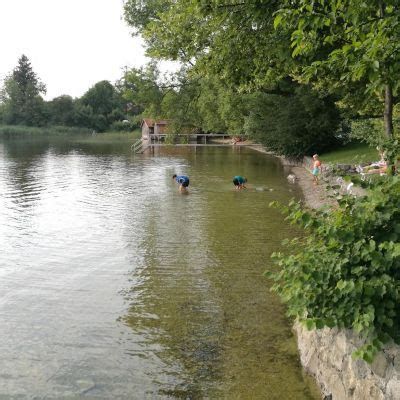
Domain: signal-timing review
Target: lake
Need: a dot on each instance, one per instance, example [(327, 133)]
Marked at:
[(113, 285)]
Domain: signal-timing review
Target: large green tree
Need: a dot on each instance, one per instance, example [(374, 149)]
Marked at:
[(61, 111), (102, 98), (142, 89), (235, 41), (238, 58), (100, 106), (21, 95), (295, 125), (344, 42)]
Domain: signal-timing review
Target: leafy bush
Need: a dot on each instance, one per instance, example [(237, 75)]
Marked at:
[(346, 272), (121, 126), (299, 124)]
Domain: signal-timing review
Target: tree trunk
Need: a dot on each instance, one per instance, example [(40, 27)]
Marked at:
[(381, 8), (388, 113)]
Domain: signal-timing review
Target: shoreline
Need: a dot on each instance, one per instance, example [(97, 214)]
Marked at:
[(326, 354), (313, 196)]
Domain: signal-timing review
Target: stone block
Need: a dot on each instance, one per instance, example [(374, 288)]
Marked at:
[(396, 363), (367, 389), (380, 364), (393, 390), (335, 386)]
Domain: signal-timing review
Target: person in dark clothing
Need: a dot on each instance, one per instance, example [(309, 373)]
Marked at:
[(239, 182)]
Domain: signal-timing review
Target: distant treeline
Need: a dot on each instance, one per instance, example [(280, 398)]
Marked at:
[(101, 108)]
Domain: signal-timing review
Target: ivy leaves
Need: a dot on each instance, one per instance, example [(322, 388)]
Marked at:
[(346, 271)]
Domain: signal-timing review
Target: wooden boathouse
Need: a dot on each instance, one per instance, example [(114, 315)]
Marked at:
[(151, 128), (154, 133)]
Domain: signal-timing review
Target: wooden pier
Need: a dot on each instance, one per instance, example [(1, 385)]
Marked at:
[(197, 139), (191, 138)]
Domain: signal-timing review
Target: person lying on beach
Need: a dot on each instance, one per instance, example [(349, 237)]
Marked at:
[(239, 182), (183, 182), (378, 167)]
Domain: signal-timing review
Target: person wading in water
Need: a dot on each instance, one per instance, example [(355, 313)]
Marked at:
[(239, 182), (183, 182)]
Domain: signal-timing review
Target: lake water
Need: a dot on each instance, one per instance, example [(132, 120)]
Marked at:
[(113, 285)]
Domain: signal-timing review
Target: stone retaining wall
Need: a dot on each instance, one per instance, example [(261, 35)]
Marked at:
[(326, 354)]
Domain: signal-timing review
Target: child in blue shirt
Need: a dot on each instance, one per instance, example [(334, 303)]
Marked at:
[(183, 182)]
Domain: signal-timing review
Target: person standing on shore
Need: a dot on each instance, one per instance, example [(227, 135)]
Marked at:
[(183, 182), (316, 169)]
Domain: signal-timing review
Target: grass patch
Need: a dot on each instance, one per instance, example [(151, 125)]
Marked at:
[(21, 131), (109, 137), (352, 153), (73, 134)]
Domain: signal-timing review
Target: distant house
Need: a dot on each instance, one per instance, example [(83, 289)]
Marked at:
[(151, 127)]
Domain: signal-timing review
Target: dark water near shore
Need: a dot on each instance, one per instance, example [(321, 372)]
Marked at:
[(115, 286)]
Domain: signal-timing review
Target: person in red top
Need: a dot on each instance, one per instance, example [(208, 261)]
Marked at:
[(316, 168)]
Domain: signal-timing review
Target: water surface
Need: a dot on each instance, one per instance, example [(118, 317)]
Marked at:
[(115, 286)]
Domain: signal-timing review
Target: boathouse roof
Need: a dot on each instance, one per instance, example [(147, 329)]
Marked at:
[(151, 122)]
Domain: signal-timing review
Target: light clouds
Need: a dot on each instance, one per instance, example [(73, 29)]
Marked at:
[(72, 44)]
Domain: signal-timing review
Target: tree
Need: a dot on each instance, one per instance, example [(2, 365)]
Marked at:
[(340, 43), (101, 98), (21, 95), (61, 111), (304, 122), (100, 106), (235, 41), (142, 90), (234, 51)]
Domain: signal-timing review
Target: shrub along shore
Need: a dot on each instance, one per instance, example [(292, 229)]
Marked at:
[(353, 269)]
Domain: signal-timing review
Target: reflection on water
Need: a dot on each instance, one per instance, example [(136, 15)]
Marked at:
[(113, 285)]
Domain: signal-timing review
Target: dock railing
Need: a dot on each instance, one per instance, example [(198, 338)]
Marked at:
[(139, 146)]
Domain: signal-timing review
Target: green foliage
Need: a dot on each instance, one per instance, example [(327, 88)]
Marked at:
[(295, 125), (141, 89), (22, 104), (232, 53), (61, 111), (102, 98), (364, 45), (235, 41), (347, 45), (368, 130), (346, 271), (122, 126), (179, 105), (21, 96), (100, 106)]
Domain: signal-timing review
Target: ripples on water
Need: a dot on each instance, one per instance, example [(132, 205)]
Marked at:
[(113, 285)]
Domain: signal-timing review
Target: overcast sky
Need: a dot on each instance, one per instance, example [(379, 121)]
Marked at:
[(72, 44)]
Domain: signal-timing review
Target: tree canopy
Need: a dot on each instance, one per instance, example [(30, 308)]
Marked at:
[(348, 49), (347, 42)]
